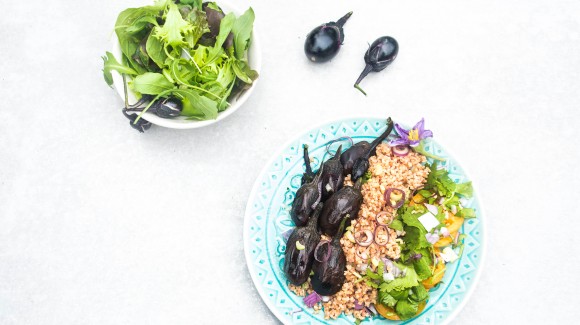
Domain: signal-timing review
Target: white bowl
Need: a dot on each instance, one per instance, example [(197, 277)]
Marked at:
[(254, 59)]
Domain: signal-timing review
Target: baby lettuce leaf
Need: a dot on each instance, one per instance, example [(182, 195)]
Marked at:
[(242, 31), (194, 3), (155, 50), (197, 106), (110, 64), (173, 32), (225, 28), (151, 83)]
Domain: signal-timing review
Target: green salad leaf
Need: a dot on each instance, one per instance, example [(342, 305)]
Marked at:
[(112, 64), (151, 83), (242, 30)]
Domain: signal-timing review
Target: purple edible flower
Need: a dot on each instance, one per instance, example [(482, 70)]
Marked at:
[(411, 137), (312, 299)]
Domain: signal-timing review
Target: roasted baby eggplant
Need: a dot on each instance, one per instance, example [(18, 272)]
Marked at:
[(308, 175), (332, 177), (343, 205), (329, 266), (300, 249), (307, 197), (361, 164)]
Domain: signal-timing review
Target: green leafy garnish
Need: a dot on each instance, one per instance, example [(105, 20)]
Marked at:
[(406, 309)]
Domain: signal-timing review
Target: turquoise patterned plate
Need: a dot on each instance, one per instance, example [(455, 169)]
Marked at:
[(267, 217)]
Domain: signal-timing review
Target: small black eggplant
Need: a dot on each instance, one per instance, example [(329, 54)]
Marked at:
[(332, 177), (300, 250), (329, 275), (308, 175), (324, 41), (166, 108), (361, 165), (380, 54), (343, 205), (141, 125), (350, 155), (307, 197), (358, 150)]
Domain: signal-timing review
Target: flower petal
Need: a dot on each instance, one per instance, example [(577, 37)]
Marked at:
[(420, 126), (401, 132), (399, 142), (414, 143), (426, 134)]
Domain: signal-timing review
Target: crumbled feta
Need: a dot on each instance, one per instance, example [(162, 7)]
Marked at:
[(428, 221), (388, 277), (449, 255)]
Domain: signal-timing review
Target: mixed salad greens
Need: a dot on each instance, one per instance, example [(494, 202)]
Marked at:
[(186, 51), (431, 220)]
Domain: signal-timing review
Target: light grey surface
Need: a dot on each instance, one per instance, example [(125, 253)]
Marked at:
[(102, 225)]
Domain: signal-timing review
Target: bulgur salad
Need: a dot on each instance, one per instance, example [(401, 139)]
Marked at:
[(376, 226)]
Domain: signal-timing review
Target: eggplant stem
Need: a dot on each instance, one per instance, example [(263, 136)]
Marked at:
[(368, 68), (307, 160), (343, 20), (357, 86)]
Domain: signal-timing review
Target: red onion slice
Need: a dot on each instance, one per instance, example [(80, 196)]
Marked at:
[(381, 243), (337, 140), (357, 306), (431, 208), (400, 151), (381, 216), (327, 256), (389, 194), (365, 241)]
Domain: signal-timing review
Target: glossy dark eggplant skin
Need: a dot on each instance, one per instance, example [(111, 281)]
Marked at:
[(308, 175), (344, 204), (350, 155), (361, 165), (323, 42), (332, 178), (382, 52), (298, 263), (306, 199), (328, 276)]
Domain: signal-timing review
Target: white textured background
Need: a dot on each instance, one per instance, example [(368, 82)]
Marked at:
[(102, 225)]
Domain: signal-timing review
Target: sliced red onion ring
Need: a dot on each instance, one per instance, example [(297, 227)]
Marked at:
[(389, 193), (358, 306), (381, 243), (364, 238), (431, 208), (327, 256), (380, 218), (400, 151), (336, 140), (287, 234), (312, 299), (372, 309)]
